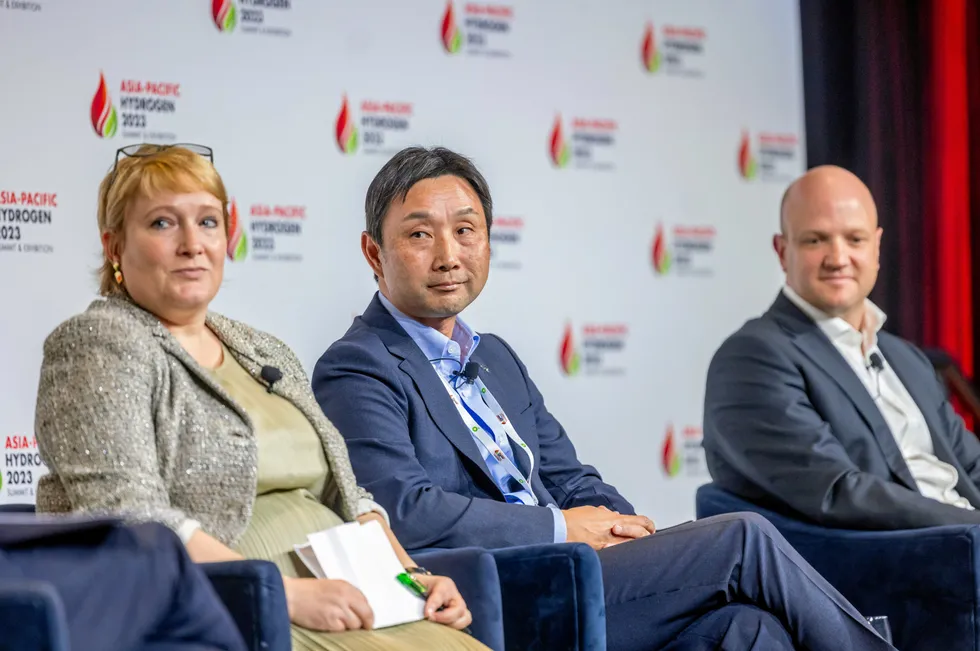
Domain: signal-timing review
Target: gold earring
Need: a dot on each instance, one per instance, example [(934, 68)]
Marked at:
[(117, 274)]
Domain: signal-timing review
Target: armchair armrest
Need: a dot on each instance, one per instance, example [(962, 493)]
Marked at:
[(925, 580), (31, 617), (253, 593), (475, 573), (552, 597)]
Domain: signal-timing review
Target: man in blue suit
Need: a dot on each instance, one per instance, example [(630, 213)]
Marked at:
[(449, 433), (812, 409)]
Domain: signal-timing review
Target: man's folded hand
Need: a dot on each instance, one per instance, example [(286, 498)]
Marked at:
[(599, 527)]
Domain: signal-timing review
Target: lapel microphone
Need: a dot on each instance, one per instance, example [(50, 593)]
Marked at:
[(270, 375), (876, 362), (469, 373)]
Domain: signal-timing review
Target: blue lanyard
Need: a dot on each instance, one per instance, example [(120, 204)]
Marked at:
[(479, 421), (487, 438)]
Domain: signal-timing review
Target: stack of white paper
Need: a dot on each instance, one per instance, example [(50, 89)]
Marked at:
[(362, 555)]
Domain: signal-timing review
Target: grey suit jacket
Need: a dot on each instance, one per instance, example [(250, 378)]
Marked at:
[(789, 425), (129, 423)]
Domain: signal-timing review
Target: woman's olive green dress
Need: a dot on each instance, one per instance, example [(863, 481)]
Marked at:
[(293, 471)]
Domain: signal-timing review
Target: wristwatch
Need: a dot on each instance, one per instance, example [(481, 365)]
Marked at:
[(418, 570)]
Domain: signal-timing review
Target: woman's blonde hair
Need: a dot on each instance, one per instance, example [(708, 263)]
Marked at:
[(149, 171)]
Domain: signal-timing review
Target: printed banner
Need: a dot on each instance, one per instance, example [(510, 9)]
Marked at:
[(636, 152)]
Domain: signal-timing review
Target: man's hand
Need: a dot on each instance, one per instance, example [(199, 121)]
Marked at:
[(599, 527)]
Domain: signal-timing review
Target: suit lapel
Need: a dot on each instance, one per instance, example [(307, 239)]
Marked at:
[(252, 358), (431, 389), (812, 342), (904, 365), (899, 363), (441, 408)]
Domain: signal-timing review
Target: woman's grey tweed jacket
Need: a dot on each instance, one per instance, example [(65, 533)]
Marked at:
[(129, 423)]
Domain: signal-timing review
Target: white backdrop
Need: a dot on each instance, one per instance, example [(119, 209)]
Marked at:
[(623, 253)]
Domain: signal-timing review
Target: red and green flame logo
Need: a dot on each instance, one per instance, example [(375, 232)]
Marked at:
[(649, 55), (671, 460), (558, 149), (451, 38), (104, 119), (237, 242), (568, 357), (225, 15), (345, 130), (746, 162), (661, 256)]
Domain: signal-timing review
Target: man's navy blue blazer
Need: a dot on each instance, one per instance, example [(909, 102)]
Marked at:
[(410, 448)]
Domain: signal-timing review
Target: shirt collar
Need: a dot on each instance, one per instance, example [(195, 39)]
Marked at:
[(837, 328), (433, 343)]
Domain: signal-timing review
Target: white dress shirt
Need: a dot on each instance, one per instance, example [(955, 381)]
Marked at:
[(934, 478)]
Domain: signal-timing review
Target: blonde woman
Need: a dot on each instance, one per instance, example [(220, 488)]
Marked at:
[(153, 407)]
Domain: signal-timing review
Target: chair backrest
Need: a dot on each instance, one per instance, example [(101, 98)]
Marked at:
[(956, 382), (713, 500), (16, 508)]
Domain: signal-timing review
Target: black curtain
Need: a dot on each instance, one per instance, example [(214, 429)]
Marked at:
[(865, 63)]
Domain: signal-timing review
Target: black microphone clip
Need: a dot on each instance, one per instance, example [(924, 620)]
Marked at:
[(876, 362), (270, 375), (470, 372)]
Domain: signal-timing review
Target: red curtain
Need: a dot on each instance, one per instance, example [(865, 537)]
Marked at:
[(948, 271)]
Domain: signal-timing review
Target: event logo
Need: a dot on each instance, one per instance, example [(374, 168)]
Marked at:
[(681, 50), (559, 149), (384, 127), (144, 108), (104, 119), (225, 15), (689, 253), (237, 240), (25, 221), (485, 29), (648, 51), (601, 349), (274, 233), (265, 17), (593, 144), (345, 130), (671, 460), (683, 453), (22, 466), (775, 157), (277, 231), (451, 39), (505, 240), (661, 256), (746, 161), (568, 357)]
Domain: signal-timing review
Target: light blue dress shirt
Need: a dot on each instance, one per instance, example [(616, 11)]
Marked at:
[(449, 356)]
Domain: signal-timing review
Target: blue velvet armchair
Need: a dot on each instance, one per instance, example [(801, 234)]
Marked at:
[(927, 581), (550, 597), (554, 599)]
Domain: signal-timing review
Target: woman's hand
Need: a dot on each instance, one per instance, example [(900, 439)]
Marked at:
[(328, 605), (444, 594)]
